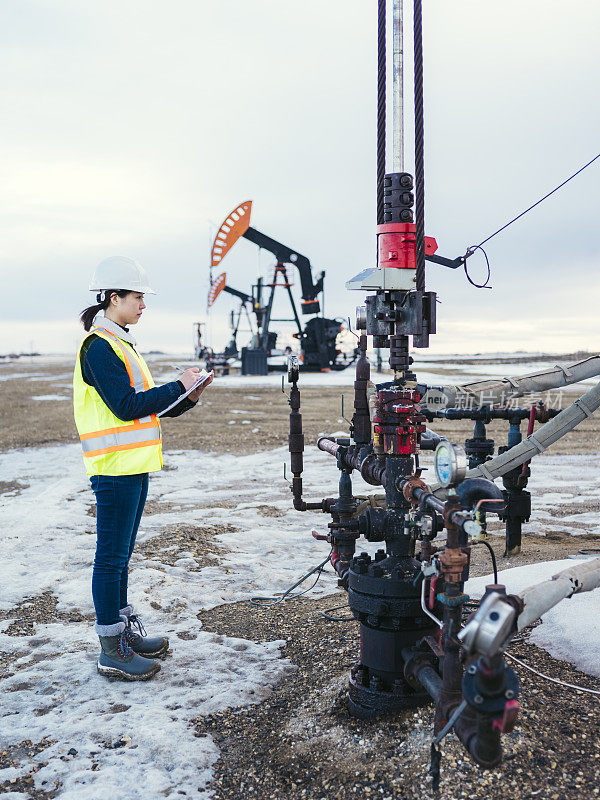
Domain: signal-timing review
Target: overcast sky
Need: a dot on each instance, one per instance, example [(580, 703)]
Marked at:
[(128, 127)]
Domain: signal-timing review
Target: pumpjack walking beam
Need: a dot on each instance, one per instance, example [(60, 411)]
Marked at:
[(285, 255), (237, 225)]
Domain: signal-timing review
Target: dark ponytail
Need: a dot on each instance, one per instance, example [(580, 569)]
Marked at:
[(88, 314)]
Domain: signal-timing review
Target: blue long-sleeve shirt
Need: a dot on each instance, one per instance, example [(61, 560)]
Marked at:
[(102, 368)]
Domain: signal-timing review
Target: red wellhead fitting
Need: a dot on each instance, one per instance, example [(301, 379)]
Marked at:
[(396, 245), (398, 423)]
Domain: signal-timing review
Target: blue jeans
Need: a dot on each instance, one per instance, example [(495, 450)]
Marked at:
[(120, 501)]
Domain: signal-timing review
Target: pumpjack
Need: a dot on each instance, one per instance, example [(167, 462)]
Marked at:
[(318, 338)]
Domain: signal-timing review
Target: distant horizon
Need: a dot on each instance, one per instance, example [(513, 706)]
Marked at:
[(457, 334), (414, 353)]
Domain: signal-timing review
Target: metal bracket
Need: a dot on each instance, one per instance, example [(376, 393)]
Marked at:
[(350, 329), (451, 263)]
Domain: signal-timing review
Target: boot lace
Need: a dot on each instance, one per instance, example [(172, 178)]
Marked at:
[(123, 647), (130, 634)]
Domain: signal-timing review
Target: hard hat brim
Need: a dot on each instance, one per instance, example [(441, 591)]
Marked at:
[(142, 289)]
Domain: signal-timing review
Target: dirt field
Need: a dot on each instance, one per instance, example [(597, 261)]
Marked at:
[(301, 743), (26, 422)]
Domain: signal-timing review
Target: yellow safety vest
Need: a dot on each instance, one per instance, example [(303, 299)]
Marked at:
[(112, 446)]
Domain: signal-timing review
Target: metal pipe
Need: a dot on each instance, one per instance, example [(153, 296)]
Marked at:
[(539, 441), (491, 391), (361, 421), (539, 599), (480, 737), (486, 745), (296, 448), (474, 492), (423, 672), (452, 671), (476, 732), (327, 445), (375, 472), (430, 439), (457, 518), (398, 90), (371, 469)]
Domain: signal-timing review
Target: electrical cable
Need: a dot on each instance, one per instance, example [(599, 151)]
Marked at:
[(471, 250), (552, 680), (541, 674), (274, 600), (492, 554), (474, 247), (327, 614)]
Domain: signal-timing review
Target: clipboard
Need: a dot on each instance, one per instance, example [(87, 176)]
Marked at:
[(202, 378)]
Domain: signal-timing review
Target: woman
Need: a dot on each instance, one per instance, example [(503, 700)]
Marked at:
[(116, 405)]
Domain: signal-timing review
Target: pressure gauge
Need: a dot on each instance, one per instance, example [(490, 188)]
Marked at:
[(472, 528), (450, 463)]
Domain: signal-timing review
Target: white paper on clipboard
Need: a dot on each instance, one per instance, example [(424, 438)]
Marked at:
[(203, 376)]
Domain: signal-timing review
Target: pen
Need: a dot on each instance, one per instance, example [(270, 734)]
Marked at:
[(181, 367)]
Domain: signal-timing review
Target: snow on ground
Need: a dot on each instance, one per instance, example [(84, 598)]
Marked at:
[(430, 372), (50, 397), (48, 542), (431, 369), (568, 631), (462, 373), (17, 376)]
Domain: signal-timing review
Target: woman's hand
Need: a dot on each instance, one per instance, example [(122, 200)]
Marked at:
[(189, 377), (194, 396)]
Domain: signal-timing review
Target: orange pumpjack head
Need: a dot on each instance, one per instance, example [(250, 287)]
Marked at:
[(216, 288), (235, 225)]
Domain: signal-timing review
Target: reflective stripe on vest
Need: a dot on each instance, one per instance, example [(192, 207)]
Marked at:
[(112, 440), (136, 376), (123, 440), (112, 446)]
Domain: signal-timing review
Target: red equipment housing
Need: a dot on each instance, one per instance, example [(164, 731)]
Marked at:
[(396, 245)]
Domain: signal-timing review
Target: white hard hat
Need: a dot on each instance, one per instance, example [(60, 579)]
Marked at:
[(120, 272)]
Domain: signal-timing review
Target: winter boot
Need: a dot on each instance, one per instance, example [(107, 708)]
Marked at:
[(117, 659), (138, 640)]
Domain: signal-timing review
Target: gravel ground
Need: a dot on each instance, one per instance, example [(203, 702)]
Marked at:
[(301, 743)]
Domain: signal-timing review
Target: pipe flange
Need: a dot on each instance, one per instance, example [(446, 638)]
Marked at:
[(487, 703), (408, 485)]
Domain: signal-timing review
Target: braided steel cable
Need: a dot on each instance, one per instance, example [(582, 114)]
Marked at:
[(380, 108), (419, 148)]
